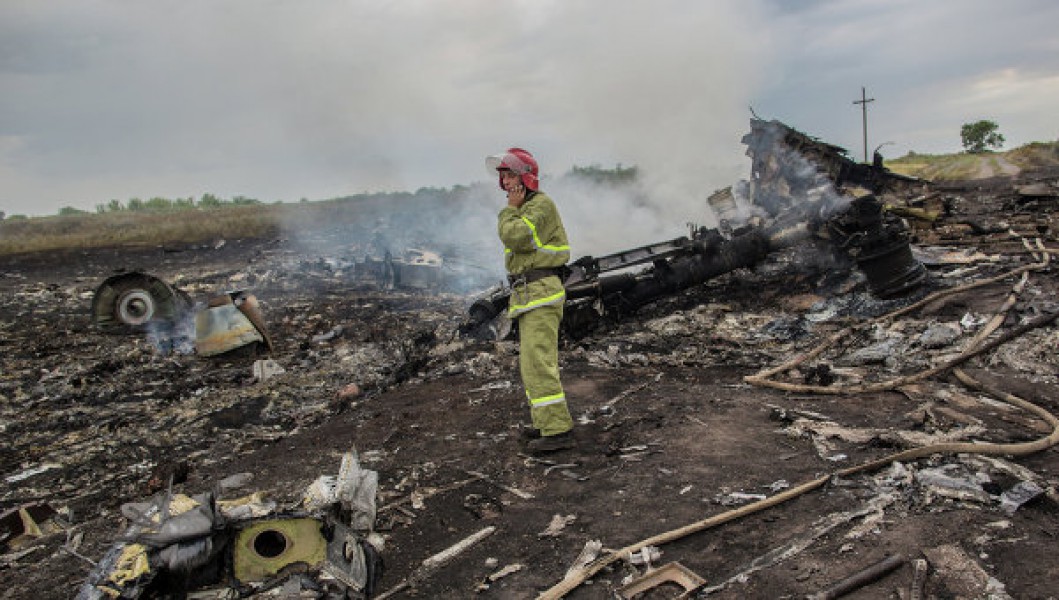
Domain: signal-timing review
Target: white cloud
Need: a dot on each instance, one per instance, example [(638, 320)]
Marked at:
[(283, 100), (921, 61)]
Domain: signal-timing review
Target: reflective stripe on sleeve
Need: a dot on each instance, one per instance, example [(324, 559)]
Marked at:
[(537, 241)]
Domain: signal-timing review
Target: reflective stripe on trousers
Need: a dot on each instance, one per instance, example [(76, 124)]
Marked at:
[(515, 310), (539, 367)]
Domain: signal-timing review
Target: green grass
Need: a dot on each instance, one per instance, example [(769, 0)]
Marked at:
[(953, 167), (937, 167)]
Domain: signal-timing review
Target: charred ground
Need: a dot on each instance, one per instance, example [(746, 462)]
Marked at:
[(669, 431)]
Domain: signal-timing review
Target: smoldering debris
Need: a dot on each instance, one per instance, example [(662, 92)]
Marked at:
[(92, 421), (140, 302), (807, 192)]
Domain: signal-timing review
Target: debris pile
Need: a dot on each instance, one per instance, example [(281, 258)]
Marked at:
[(174, 543), (736, 415)]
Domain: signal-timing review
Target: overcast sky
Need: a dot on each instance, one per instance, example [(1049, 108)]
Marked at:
[(291, 99)]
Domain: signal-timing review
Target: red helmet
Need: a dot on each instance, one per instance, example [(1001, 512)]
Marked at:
[(518, 161)]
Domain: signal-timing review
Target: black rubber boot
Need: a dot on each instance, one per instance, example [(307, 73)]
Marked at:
[(550, 443), (528, 433)]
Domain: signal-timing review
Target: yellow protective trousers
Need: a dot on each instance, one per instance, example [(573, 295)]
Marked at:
[(539, 366)]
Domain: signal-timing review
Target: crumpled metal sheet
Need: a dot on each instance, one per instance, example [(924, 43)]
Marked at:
[(223, 328)]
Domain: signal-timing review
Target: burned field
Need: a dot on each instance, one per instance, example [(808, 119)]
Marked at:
[(681, 420)]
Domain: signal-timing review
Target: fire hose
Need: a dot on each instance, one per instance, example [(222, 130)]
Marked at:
[(578, 575)]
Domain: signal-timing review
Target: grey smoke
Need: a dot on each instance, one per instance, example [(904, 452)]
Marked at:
[(281, 101)]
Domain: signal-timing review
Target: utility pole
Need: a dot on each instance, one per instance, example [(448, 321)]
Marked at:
[(863, 102)]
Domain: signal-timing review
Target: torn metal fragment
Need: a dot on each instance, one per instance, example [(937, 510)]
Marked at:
[(1021, 493), (557, 524), (673, 572), (231, 321), (19, 526)]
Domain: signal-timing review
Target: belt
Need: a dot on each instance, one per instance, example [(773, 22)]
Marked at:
[(533, 275)]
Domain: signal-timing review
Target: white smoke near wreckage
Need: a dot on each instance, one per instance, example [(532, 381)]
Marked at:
[(363, 96), (461, 223), (660, 87)]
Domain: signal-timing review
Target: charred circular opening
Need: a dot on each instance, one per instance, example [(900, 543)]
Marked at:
[(135, 307), (134, 300), (270, 543)]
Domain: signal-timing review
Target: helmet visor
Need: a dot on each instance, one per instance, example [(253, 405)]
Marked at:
[(506, 160)]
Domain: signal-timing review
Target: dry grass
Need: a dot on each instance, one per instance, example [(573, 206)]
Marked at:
[(941, 167), (127, 228), (200, 225), (953, 167), (1035, 155)]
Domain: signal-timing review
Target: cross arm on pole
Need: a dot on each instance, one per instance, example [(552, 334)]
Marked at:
[(863, 102)]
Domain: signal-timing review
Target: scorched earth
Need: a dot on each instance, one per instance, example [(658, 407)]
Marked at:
[(670, 431)]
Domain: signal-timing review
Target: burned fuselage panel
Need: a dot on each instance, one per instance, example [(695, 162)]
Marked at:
[(787, 165)]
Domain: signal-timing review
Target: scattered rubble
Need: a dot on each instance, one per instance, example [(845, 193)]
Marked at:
[(175, 543), (668, 421)]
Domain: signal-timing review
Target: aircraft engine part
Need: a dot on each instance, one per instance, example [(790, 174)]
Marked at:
[(231, 321), (266, 547), (134, 300), (891, 269), (878, 242)]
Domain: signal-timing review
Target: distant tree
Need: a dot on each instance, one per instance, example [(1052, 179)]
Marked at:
[(158, 203), (69, 210), (619, 175), (209, 201), (135, 204), (980, 135), (115, 206)]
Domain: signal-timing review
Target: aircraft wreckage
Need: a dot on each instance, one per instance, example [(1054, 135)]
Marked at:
[(180, 542), (135, 301), (141, 302), (248, 546), (801, 191)]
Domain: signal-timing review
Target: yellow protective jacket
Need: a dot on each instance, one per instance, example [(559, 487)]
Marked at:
[(534, 238)]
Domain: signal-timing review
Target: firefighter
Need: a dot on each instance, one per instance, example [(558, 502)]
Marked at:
[(535, 251)]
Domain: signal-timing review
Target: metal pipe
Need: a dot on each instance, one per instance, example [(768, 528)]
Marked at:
[(861, 578)]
